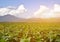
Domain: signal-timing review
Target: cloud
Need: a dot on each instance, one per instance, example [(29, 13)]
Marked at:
[(45, 12), (56, 10), (20, 10), (12, 10), (4, 11), (42, 12)]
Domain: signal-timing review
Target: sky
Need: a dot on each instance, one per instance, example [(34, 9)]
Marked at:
[(30, 8)]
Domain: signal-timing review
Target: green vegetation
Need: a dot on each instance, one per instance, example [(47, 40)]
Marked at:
[(29, 32)]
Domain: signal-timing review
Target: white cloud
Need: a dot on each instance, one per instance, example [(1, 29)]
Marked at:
[(45, 12), (56, 10), (12, 10), (42, 12), (4, 11)]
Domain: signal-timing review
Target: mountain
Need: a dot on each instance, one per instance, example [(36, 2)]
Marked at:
[(10, 18)]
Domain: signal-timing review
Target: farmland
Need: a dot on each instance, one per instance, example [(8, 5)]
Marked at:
[(29, 32)]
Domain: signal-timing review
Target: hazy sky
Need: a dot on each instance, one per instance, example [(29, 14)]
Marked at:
[(28, 3), (29, 8)]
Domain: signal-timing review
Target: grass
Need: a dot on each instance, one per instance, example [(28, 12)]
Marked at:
[(29, 32)]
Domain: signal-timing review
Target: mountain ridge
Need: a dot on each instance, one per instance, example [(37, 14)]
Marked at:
[(11, 18)]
